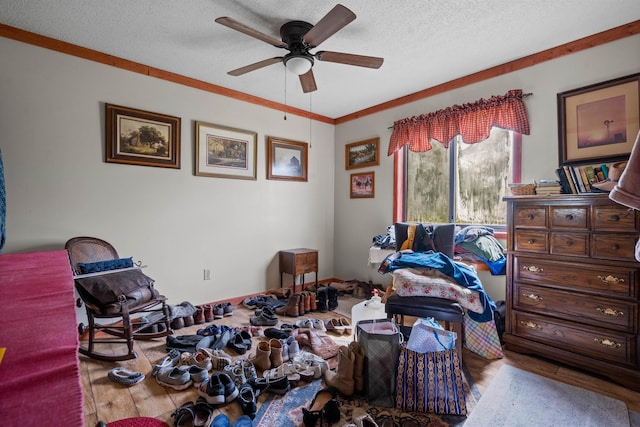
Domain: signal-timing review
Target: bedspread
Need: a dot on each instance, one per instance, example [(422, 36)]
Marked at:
[(40, 372)]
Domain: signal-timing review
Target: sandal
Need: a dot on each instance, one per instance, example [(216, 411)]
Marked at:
[(185, 415)]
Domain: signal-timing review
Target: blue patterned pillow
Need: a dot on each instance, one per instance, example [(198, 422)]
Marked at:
[(113, 264)]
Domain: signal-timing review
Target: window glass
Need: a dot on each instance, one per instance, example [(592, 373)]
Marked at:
[(474, 176)]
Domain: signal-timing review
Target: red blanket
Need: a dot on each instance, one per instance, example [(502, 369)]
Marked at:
[(40, 373)]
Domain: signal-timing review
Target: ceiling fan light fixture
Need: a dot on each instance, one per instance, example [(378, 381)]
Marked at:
[(298, 64)]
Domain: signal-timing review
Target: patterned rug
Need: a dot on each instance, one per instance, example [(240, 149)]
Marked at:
[(286, 411)]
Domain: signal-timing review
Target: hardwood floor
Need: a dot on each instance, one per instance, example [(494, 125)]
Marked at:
[(107, 401)]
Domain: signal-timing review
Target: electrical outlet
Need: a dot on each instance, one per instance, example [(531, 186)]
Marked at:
[(207, 274)]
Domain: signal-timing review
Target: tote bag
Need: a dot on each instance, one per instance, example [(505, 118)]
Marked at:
[(430, 382), (380, 341)]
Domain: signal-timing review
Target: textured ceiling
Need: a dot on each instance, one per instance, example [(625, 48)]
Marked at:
[(424, 42)]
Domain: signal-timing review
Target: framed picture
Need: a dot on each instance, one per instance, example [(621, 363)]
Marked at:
[(362, 185), (362, 154), (225, 152), (599, 123), (138, 137), (286, 160)]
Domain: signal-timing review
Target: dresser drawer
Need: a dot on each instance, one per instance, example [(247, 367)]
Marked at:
[(569, 217), (586, 340), (582, 308), (573, 244), (306, 263), (531, 241), (602, 279), (531, 217), (614, 218), (619, 247)]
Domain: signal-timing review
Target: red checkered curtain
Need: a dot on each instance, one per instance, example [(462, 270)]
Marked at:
[(472, 121)]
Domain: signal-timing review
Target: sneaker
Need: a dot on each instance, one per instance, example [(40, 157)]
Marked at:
[(236, 373), (247, 400), (264, 319), (227, 309), (293, 348), (230, 389), (248, 368), (274, 385), (176, 377), (219, 359), (319, 324), (213, 390), (198, 374), (171, 359), (125, 377), (218, 311), (199, 359)]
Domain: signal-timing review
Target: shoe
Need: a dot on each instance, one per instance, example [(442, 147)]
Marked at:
[(199, 359), (324, 407), (230, 388), (246, 338), (343, 379), (125, 377), (313, 362), (247, 400), (183, 342), (171, 359), (219, 359), (273, 385), (276, 352), (358, 366), (237, 344), (276, 333), (265, 318), (361, 418), (292, 308), (184, 416), (293, 348), (322, 300), (218, 341), (198, 374), (203, 412), (188, 320), (344, 322), (218, 311), (219, 389), (221, 420), (248, 368), (211, 330), (236, 373), (243, 421), (285, 370), (305, 323), (177, 378), (177, 323), (199, 316), (332, 294), (262, 359), (254, 331), (208, 312), (227, 309)]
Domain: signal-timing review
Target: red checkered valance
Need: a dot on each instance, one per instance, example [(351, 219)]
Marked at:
[(472, 121)]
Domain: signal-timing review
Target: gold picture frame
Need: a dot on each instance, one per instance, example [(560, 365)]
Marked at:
[(362, 154), (225, 152), (143, 138), (286, 159), (598, 123)]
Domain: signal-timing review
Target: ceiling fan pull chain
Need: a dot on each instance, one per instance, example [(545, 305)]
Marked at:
[(285, 94), (310, 109)]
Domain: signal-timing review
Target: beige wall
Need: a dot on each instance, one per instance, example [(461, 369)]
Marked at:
[(357, 221), (58, 185)]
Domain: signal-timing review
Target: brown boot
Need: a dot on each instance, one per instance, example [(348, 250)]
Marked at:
[(262, 359), (307, 301), (276, 352), (301, 306), (358, 366), (313, 304), (342, 379), (292, 308)]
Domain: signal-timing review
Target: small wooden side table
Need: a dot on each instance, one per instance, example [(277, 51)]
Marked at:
[(298, 261)]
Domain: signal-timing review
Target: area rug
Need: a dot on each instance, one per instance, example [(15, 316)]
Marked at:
[(286, 411), (520, 398)]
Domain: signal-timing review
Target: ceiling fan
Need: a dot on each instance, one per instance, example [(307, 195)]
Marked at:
[(299, 37)]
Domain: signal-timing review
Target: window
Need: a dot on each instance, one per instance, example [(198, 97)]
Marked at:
[(464, 183)]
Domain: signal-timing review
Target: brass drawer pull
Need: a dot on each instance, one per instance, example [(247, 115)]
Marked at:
[(533, 297), (530, 241), (611, 280), (569, 217), (531, 217), (615, 247), (569, 243), (615, 218), (529, 324), (608, 343), (532, 268), (610, 312)]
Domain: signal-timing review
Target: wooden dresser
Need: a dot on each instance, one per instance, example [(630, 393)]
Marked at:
[(572, 283)]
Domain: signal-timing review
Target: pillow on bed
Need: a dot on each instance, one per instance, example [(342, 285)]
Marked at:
[(112, 264)]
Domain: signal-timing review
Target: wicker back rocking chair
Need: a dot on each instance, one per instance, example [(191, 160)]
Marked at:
[(121, 303)]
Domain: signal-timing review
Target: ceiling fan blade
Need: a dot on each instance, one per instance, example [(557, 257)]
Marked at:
[(238, 26), (350, 59), (331, 23), (252, 67), (308, 82)]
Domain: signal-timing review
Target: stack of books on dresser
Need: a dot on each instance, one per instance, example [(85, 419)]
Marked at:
[(545, 187), (580, 179)]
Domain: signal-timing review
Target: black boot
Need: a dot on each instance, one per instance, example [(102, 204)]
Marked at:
[(333, 298), (322, 300)]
